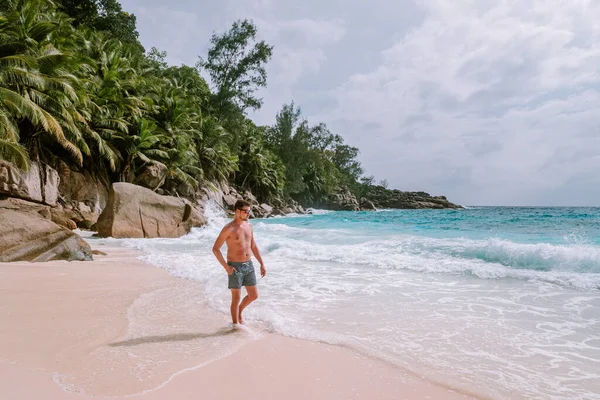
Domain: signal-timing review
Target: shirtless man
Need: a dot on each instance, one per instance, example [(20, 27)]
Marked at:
[(239, 237)]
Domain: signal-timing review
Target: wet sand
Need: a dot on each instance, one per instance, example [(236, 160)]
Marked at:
[(117, 327)]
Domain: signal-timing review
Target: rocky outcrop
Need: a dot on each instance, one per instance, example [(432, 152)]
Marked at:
[(343, 200), (210, 193), (249, 197), (197, 218), (231, 197), (40, 183), (63, 219), (293, 207), (136, 212), (386, 198), (185, 190), (278, 207), (377, 197), (28, 234), (81, 191), (153, 176), (367, 205), (262, 210), (225, 197), (218, 193)]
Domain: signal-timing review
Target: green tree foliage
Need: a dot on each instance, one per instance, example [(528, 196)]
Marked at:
[(103, 15), (38, 94), (75, 88), (260, 170), (284, 142), (316, 161), (236, 65)]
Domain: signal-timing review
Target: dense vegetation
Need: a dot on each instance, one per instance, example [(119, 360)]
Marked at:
[(77, 87)]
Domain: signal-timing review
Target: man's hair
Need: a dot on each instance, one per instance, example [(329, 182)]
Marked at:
[(240, 204)]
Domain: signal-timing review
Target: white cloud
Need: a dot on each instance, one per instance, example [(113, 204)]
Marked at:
[(481, 101), (299, 51), (489, 102), (183, 29), (181, 32), (299, 45)]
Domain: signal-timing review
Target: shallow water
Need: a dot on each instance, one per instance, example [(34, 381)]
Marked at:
[(504, 301)]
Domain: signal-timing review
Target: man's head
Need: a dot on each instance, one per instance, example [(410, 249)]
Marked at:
[(242, 209)]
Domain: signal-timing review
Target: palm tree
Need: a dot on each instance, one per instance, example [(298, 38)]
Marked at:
[(111, 104), (37, 92), (143, 144), (11, 150), (182, 165), (260, 170), (214, 156)]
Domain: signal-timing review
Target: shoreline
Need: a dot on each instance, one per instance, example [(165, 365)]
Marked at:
[(109, 328)]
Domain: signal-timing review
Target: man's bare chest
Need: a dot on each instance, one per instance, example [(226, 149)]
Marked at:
[(240, 235)]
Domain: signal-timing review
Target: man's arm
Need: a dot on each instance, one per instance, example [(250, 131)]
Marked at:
[(217, 249), (256, 252)]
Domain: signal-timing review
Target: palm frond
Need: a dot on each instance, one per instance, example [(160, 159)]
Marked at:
[(15, 153)]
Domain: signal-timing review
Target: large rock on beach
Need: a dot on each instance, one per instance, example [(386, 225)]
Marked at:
[(136, 212), (82, 191), (39, 183), (197, 218), (28, 234)]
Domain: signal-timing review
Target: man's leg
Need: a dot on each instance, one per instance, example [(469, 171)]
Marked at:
[(235, 305), (252, 294)]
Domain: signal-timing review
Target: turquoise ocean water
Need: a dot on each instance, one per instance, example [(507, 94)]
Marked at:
[(502, 301)]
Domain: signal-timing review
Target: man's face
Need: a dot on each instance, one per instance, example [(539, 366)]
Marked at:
[(244, 213)]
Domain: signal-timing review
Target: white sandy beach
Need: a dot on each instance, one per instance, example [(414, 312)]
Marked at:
[(108, 328)]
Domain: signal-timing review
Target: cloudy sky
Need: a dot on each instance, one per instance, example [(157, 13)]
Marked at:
[(486, 102)]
